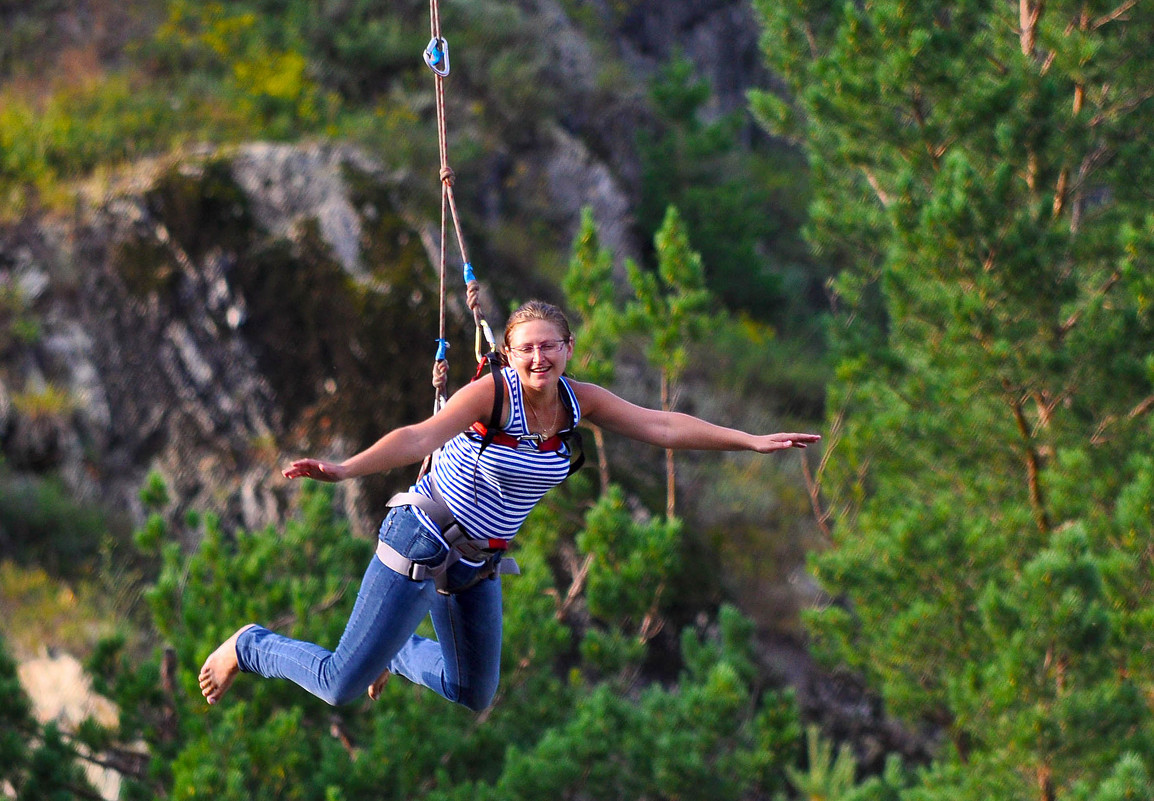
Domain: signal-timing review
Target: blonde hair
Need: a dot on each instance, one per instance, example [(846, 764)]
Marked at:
[(538, 310)]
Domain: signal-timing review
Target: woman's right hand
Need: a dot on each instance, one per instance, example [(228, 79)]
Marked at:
[(316, 469)]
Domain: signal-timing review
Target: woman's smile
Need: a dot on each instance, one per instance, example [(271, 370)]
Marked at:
[(539, 351)]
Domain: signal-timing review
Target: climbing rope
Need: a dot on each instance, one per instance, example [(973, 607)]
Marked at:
[(437, 58)]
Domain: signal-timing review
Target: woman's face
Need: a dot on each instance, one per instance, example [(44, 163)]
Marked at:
[(539, 352)]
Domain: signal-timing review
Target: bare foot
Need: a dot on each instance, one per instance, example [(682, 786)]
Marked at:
[(378, 685), (221, 668)]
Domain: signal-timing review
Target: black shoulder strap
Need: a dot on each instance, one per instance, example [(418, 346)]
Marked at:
[(571, 436), (498, 402)]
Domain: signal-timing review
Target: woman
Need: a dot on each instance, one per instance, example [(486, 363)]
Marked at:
[(486, 485)]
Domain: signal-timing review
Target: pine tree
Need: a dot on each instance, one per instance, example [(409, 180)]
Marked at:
[(671, 308), (563, 703), (589, 291), (980, 175), (37, 762)]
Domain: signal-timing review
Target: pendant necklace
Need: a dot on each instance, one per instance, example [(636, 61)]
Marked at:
[(543, 433)]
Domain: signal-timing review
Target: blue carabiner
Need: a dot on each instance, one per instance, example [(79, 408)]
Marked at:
[(437, 55), (442, 349)]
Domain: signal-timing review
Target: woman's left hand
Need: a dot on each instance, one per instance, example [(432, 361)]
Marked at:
[(776, 442), (315, 469)]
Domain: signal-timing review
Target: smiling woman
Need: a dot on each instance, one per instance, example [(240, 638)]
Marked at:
[(440, 547)]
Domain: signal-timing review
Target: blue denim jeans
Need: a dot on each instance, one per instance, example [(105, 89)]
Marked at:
[(463, 664)]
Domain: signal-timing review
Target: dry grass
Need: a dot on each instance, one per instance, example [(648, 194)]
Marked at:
[(40, 614)]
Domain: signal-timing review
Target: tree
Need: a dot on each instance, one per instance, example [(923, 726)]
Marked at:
[(37, 763), (976, 173), (740, 196), (632, 563), (709, 737), (589, 291), (670, 307)]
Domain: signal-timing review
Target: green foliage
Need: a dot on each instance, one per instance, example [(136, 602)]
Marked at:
[(262, 79), (503, 53), (589, 291), (282, 578), (828, 778), (1130, 780), (671, 310), (217, 73), (990, 406), (15, 717), (705, 737), (37, 763), (154, 493), (43, 523), (560, 729), (671, 304), (72, 132), (834, 778), (41, 611), (49, 402), (632, 561), (18, 323), (742, 206)]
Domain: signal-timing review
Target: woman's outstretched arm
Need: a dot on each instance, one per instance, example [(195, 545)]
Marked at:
[(408, 444), (675, 430)]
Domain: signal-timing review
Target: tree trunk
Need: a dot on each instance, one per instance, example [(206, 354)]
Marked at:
[(602, 458), (670, 475)]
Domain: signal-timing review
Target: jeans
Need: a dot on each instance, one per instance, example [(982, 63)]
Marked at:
[(463, 664)]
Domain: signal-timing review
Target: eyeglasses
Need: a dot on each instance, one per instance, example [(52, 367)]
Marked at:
[(548, 348)]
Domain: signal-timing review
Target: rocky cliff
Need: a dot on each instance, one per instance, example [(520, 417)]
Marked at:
[(209, 315)]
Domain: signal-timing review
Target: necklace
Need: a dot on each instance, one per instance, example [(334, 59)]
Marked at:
[(543, 431)]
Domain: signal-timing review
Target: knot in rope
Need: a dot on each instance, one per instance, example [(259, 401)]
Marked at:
[(441, 376), (448, 176), (473, 295)]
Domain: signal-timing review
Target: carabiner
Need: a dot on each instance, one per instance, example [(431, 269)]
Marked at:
[(488, 337), (437, 55)]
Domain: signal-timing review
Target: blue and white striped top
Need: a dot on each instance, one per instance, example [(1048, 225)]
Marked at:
[(492, 497)]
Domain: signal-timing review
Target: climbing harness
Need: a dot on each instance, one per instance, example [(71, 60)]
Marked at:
[(568, 436), (489, 551), (461, 546)]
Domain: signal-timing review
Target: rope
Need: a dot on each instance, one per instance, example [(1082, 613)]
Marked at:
[(437, 58)]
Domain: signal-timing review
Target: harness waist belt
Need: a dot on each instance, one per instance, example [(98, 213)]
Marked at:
[(461, 545), (391, 558)]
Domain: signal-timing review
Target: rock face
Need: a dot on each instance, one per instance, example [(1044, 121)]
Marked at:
[(228, 308), (214, 315), (61, 692)]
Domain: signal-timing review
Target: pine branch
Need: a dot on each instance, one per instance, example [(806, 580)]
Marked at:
[(1033, 465)]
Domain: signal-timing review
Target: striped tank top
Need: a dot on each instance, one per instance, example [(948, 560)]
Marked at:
[(492, 496)]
